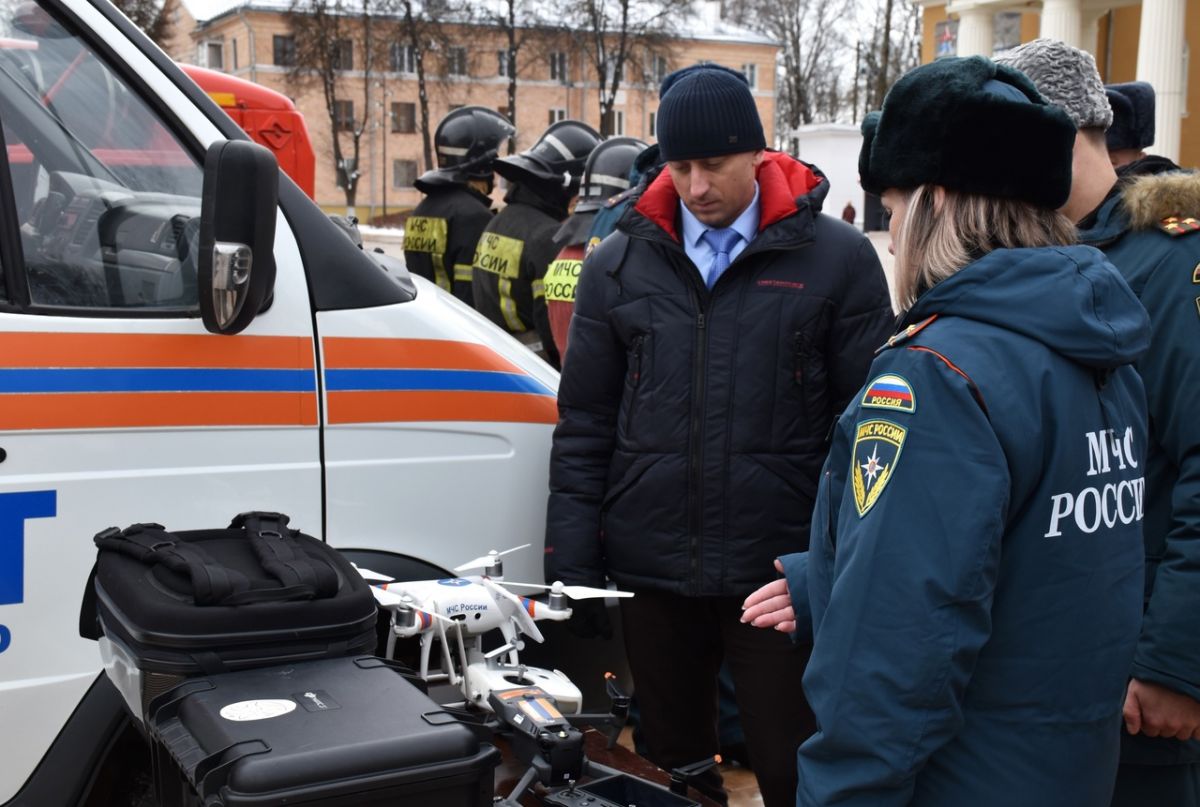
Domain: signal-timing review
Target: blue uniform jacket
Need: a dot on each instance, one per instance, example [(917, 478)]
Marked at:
[(1161, 261), (975, 566)]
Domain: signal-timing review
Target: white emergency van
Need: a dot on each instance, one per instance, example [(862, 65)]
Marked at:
[(179, 343)]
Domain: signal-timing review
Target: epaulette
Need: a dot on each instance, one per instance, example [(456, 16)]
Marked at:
[(613, 201), (1175, 226), (907, 333)]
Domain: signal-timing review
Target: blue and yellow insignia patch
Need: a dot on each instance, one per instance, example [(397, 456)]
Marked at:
[(889, 392), (877, 445)]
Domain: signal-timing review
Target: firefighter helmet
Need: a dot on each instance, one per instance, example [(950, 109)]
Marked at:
[(558, 156), (467, 142), (607, 171)]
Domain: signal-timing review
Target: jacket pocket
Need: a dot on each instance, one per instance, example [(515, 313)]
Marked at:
[(633, 379), (636, 470), (810, 381)]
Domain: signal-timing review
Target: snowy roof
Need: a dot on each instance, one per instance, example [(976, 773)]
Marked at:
[(704, 23)]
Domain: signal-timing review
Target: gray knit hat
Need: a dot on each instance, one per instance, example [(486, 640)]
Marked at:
[(1066, 77)]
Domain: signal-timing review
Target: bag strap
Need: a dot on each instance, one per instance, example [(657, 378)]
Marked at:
[(212, 583), (282, 556)]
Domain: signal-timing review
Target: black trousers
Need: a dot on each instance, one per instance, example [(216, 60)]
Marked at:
[(675, 646), (1157, 786)]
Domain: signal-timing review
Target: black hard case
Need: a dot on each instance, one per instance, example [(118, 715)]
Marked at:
[(361, 735), (148, 610)]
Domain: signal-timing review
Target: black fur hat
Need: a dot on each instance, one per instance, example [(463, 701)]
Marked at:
[(1133, 115), (969, 125)]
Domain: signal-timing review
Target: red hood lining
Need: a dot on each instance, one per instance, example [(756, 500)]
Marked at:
[(781, 180)]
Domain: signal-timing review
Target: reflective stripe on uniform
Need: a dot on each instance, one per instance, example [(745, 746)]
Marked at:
[(462, 273), (538, 288), (508, 306), (439, 272), (499, 255), (561, 279), (429, 234)]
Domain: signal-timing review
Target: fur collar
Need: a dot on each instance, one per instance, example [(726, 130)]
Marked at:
[(1150, 199)]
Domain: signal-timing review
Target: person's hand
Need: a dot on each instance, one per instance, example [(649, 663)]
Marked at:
[(589, 619), (771, 606), (1158, 711)]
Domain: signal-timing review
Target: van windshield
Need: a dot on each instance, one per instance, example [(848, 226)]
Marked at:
[(106, 196)]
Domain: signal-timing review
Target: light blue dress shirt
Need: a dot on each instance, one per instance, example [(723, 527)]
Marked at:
[(698, 249)]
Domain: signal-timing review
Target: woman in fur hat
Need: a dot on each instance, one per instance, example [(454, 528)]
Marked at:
[(973, 583)]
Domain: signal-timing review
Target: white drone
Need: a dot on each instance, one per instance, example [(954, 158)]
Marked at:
[(462, 610)]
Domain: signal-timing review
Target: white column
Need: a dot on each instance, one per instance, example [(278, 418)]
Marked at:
[(1061, 19), (1091, 30), (1160, 62), (976, 31)]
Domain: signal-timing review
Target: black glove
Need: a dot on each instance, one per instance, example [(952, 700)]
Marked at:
[(589, 619)]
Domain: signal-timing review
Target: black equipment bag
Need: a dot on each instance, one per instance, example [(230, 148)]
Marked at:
[(210, 601), (348, 732)]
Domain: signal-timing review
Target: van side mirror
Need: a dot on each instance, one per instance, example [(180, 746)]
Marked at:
[(236, 264)]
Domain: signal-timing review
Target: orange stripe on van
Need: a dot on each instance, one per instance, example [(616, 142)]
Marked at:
[(156, 409), (39, 349), (343, 352), (393, 407)]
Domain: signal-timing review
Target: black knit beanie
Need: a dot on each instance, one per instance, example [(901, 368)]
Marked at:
[(706, 111), (969, 125)]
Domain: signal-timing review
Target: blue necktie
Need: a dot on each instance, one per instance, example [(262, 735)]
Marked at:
[(721, 241)]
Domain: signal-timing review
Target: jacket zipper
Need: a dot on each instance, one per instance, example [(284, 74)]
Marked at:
[(696, 449)]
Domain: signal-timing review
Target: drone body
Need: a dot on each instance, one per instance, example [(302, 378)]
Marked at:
[(458, 612)]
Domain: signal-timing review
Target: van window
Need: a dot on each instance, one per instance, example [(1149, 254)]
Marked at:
[(108, 200)]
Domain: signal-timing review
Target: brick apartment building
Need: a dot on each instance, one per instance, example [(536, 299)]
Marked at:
[(252, 39)]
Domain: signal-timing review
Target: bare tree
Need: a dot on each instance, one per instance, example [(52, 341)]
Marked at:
[(617, 35), (419, 31), (813, 49), (891, 48), (327, 34), (149, 15), (516, 21)]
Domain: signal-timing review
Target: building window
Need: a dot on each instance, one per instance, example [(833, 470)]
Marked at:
[(343, 115), (341, 55), (618, 122), (658, 68), (404, 173), (235, 57), (404, 118), (402, 58), (214, 54), (558, 67), (750, 71), (945, 35), (285, 50), (1006, 31), (502, 64), (557, 114), (456, 61), (652, 125)]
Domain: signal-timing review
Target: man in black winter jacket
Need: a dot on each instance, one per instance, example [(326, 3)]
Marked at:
[(717, 335)]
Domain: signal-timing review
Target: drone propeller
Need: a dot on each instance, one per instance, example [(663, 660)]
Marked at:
[(390, 599), (523, 618), (371, 576), (574, 592), (489, 559)]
